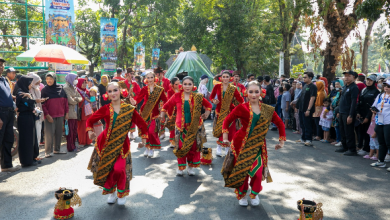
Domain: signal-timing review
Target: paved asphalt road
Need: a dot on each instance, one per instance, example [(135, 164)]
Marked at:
[(347, 187)]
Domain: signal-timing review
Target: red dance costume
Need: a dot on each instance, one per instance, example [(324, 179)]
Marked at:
[(153, 141), (244, 113), (177, 102), (241, 89), (117, 178), (218, 91), (172, 92), (136, 90)]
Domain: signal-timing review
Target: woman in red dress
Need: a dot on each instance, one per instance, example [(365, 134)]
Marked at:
[(224, 95), (248, 149), (150, 111), (189, 125), (111, 159), (86, 112), (170, 124)]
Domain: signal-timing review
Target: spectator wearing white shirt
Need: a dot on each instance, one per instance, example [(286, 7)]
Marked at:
[(382, 119)]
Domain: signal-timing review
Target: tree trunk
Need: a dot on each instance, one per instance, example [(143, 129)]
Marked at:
[(23, 32), (122, 52), (329, 61), (365, 47), (286, 65), (91, 69)]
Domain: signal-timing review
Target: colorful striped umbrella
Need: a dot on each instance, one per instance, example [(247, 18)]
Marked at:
[(53, 53)]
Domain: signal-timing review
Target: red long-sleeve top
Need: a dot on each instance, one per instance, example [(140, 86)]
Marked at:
[(165, 83), (144, 95), (242, 112), (241, 89), (134, 85), (106, 112), (177, 100), (217, 90)]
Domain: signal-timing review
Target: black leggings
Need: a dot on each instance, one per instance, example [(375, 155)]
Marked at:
[(383, 134)]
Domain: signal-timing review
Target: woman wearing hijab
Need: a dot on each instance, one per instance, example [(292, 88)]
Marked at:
[(103, 89), (86, 112), (55, 110), (335, 98), (28, 145), (36, 94), (318, 108), (73, 99)]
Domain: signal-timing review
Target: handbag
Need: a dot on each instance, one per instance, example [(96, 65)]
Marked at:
[(228, 165), (66, 128), (88, 109)]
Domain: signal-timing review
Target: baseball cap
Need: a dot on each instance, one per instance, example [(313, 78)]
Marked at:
[(387, 82), (372, 77), (11, 69), (381, 77), (352, 73), (2, 60)]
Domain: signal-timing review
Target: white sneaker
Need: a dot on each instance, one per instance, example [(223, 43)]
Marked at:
[(254, 202), (162, 136), (362, 153), (191, 171), (219, 149), (171, 146), (122, 201), (387, 158), (146, 152), (179, 172), (308, 143), (151, 153), (339, 144), (379, 164), (243, 202), (388, 169), (227, 150), (112, 198)]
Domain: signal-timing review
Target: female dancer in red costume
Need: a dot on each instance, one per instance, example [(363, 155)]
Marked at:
[(224, 95), (150, 111), (189, 125), (111, 158), (248, 146), (170, 124)]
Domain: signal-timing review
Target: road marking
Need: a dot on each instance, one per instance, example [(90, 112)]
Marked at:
[(270, 210)]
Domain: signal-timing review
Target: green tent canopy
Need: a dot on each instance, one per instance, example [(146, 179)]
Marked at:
[(190, 62)]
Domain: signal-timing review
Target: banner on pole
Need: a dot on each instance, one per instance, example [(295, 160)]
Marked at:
[(59, 17), (139, 56), (108, 51), (281, 63), (155, 57)]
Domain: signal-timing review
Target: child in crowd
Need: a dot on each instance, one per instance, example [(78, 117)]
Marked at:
[(285, 103), (94, 99), (374, 144), (279, 102), (326, 118)]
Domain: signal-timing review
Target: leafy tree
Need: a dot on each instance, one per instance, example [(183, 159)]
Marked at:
[(370, 10), (290, 12), (338, 22), (88, 35)]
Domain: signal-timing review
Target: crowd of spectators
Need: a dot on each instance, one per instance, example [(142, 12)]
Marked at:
[(44, 114)]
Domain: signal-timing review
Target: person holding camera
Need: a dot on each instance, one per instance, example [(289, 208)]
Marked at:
[(381, 107)]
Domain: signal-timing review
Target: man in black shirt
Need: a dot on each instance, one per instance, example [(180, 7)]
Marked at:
[(347, 114), (269, 98), (306, 108)]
